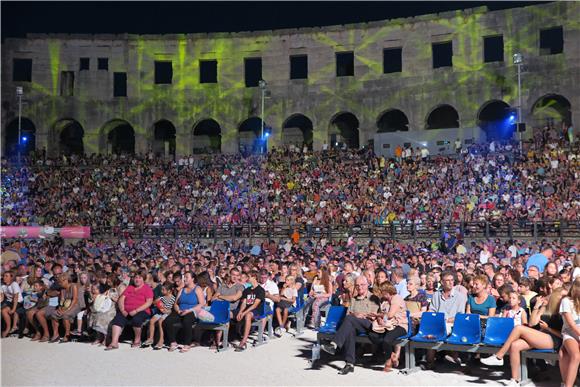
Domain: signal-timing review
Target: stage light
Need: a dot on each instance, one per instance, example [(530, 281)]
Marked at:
[(267, 134), (24, 138)]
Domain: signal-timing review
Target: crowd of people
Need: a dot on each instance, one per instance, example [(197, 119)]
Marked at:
[(290, 188), (96, 288), (56, 291)]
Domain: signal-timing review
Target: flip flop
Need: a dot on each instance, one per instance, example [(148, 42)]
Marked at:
[(111, 348), (157, 348), (241, 348), (44, 340), (185, 349), (54, 340), (173, 348), (135, 345)]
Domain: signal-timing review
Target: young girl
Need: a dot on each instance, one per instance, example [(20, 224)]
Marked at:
[(515, 310), (287, 299), (12, 298), (319, 294), (33, 302), (165, 305), (102, 311), (570, 350)]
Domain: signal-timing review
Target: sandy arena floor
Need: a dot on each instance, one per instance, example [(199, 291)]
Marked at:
[(280, 362)]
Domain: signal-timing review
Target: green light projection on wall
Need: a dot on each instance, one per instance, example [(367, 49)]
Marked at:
[(186, 101)]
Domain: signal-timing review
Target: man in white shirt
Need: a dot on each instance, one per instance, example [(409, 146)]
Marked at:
[(272, 292)]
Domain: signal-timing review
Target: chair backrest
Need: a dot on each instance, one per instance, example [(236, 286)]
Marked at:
[(300, 298), (221, 311), (432, 323), (498, 329), (466, 328), (334, 318)]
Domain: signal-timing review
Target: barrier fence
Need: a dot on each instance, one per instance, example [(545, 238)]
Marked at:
[(394, 231)]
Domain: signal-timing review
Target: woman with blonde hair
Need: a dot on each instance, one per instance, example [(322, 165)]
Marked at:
[(542, 333)]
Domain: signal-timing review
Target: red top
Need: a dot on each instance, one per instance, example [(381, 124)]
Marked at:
[(134, 297)]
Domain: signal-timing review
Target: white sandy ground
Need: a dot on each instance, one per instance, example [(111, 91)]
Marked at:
[(281, 361)]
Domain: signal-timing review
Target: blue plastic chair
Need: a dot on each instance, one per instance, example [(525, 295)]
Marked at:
[(466, 330), (409, 328), (333, 319), (432, 328), (221, 312), (497, 331)]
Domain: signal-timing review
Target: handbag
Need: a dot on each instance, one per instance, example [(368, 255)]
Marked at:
[(204, 315), (377, 328)]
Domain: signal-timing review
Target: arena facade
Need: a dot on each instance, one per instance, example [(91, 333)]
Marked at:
[(187, 93)]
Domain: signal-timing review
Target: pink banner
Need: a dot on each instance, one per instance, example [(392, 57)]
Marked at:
[(44, 232)]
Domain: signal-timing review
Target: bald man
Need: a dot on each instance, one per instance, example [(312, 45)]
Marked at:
[(363, 306)]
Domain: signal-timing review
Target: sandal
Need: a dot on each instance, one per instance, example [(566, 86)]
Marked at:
[(65, 339), (173, 348), (241, 348), (135, 345), (54, 340), (185, 349), (35, 338), (44, 339), (157, 347), (147, 343), (110, 348)]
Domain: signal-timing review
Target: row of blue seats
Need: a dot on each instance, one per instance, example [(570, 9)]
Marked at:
[(466, 336)]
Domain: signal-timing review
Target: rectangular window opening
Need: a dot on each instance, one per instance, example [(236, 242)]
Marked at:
[(493, 49), (208, 71), (120, 85), (22, 70), (103, 64), (552, 41), (85, 64), (345, 64), (67, 83), (298, 67), (163, 73), (392, 60), (252, 71), (442, 54)]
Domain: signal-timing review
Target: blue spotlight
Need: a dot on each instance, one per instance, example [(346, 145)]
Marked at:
[(266, 134), (24, 138)]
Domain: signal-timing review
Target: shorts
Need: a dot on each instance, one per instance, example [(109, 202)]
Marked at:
[(136, 321), (567, 336), (160, 316), (284, 304), (7, 304), (557, 341)]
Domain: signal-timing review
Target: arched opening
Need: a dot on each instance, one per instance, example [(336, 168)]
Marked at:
[(297, 130), (393, 120), (344, 131), (164, 139), (70, 135), (120, 137), (551, 110), (443, 117), (496, 120), (27, 137), (249, 133), (207, 137)]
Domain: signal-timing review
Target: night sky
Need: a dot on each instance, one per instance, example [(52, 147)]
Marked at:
[(19, 18)]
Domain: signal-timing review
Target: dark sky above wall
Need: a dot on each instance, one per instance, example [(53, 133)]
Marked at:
[(144, 17)]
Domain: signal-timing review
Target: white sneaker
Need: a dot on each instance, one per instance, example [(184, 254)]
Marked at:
[(513, 382), (492, 361)]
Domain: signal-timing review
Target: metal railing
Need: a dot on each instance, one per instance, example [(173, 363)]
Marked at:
[(394, 231)]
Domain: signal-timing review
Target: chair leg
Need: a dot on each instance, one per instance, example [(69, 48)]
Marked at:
[(260, 339), (299, 322), (270, 326), (523, 368), (225, 337)]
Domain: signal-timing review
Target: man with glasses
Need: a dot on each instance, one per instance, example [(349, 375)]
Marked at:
[(359, 318), (449, 301)]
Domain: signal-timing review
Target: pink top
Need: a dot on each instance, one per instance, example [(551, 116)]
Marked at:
[(134, 297), (400, 317)]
